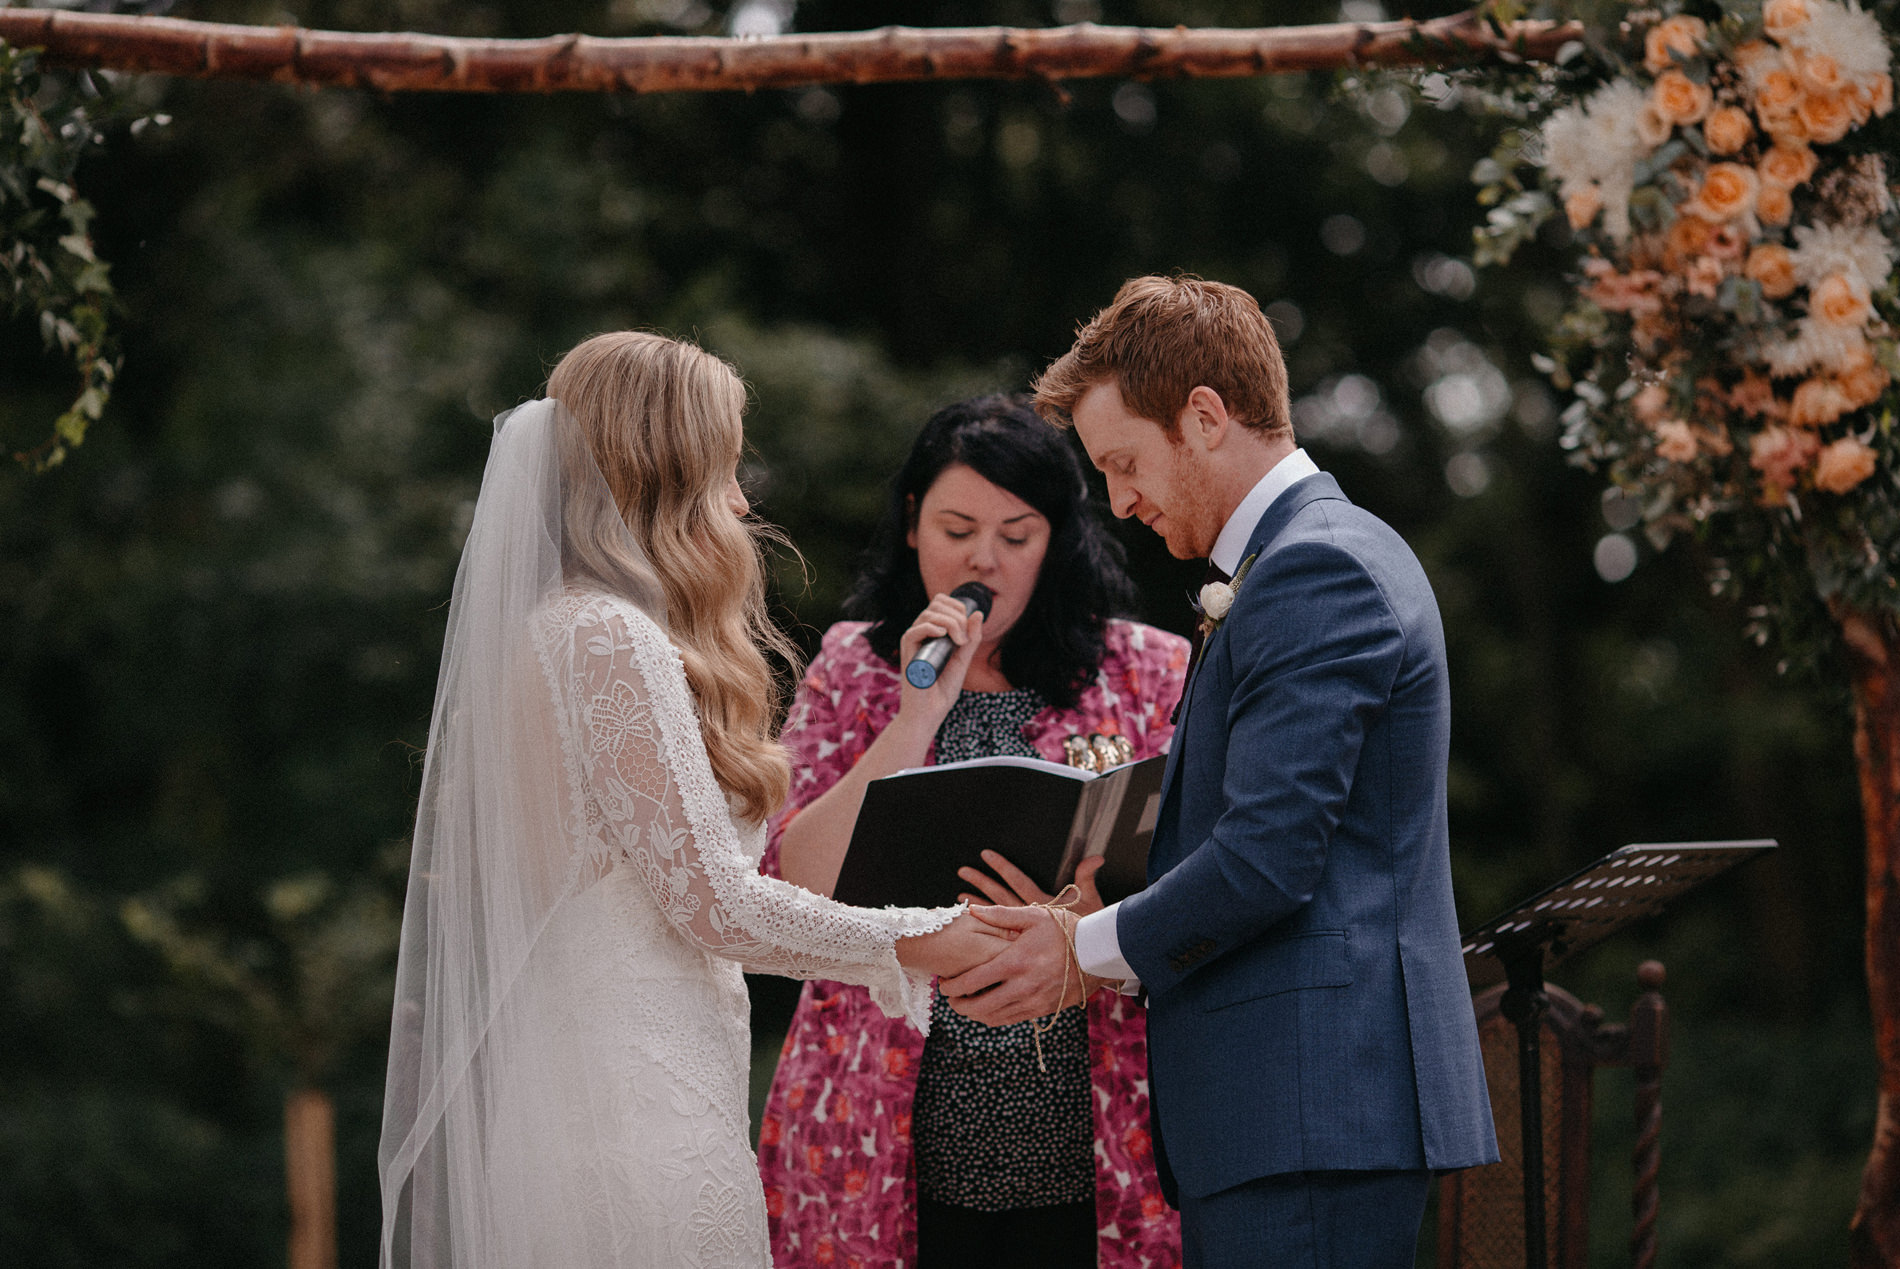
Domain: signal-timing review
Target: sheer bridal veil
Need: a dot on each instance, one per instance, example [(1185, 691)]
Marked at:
[(485, 1095)]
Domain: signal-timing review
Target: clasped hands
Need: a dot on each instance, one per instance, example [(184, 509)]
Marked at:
[(1014, 959)]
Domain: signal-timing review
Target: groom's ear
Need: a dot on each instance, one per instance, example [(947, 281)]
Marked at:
[(1206, 415)]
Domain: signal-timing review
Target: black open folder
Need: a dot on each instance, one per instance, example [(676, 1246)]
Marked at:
[(916, 828)]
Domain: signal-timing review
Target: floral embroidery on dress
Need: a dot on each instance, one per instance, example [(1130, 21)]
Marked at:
[(663, 901)]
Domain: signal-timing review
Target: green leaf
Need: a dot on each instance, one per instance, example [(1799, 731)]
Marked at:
[(48, 264)]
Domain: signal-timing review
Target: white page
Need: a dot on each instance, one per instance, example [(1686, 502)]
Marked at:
[(1005, 760)]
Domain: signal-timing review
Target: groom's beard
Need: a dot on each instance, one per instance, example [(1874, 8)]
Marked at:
[(1193, 515)]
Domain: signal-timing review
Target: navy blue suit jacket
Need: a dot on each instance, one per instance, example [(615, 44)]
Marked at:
[(1307, 1002)]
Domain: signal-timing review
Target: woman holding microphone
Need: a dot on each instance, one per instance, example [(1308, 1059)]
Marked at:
[(878, 1147)]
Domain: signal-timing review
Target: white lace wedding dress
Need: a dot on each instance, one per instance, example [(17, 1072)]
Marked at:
[(639, 974)]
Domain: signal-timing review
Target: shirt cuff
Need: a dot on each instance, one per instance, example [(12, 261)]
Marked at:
[(1100, 951)]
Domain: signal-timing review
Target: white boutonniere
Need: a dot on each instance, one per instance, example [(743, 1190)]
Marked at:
[(1216, 599)]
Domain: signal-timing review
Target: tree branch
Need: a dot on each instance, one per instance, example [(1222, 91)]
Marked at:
[(398, 62)]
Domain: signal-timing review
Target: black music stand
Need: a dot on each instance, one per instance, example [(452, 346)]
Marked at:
[(1578, 912)]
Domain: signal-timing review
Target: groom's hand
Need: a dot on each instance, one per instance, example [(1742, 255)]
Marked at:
[(1033, 977)]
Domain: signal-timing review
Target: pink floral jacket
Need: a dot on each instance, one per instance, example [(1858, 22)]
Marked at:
[(834, 1141)]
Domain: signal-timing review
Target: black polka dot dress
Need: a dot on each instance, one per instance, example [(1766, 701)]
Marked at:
[(990, 1130)]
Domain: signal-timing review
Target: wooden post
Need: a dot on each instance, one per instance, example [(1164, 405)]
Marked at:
[(310, 1175), (1872, 643), (1648, 1055)]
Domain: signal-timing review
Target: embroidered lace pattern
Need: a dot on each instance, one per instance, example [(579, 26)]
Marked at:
[(664, 904)]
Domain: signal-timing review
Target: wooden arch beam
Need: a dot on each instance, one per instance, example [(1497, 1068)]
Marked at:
[(399, 62)]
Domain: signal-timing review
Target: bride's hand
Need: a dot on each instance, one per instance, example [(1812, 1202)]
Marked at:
[(957, 948), (1021, 890)]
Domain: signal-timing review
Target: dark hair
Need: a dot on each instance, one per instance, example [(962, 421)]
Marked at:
[(1056, 646)]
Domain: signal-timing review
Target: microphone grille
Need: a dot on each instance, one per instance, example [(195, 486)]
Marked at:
[(977, 593)]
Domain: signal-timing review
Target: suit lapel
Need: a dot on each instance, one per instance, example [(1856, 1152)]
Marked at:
[(1315, 488)]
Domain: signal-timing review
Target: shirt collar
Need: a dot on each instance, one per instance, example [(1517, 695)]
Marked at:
[(1240, 525)]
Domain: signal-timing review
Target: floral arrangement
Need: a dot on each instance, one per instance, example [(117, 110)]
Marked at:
[(1722, 173)]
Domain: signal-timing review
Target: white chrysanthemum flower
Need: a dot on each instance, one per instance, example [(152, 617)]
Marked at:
[(1816, 345), (1599, 143), (1857, 250), (1567, 146), (1836, 348), (1616, 113), (1616, 193), (1848, 34), (1788, 357)]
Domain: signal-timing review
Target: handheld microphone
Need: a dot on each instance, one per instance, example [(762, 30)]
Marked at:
[(928, 663)]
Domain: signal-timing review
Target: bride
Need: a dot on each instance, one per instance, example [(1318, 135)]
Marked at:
[(569, 1053)]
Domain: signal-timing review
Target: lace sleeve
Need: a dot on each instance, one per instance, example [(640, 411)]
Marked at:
[(651, 787)]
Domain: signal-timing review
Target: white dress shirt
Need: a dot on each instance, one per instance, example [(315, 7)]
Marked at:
[(1096, 944)]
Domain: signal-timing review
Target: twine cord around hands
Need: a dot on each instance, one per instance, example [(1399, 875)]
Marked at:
[(1063, 901)]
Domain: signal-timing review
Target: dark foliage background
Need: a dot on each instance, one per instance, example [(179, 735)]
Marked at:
[(219, 621)]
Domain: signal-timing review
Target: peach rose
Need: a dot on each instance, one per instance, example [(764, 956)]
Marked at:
[(1675, 443), (1728, 242), (1728, 190), (1786, 129), (1678, 36), (1778, 94), (1715, 440), (1755, 394), (1779, 17), (1817, 402), (1652, 128), (1772, 266), (1704, 277), (1840, 300), (1747, 55), (1819, 72), (1774, 205), (1633, 292), (1689, 236), (1679, 99), (1779, 453), (1583, 204), (1650, 404), (1826, 116), (1843, 465), (1727, 129), (1863, 385), (1787, 165), (1859, 356)]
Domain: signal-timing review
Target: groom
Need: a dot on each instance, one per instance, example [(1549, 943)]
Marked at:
[(1311, 1042)]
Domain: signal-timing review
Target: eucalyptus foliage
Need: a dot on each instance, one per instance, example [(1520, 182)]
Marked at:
[(47, 263)]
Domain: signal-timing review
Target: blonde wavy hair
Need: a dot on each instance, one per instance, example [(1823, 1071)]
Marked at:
[(660, 419)]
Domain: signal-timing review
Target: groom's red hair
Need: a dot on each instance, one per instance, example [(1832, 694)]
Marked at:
[(1159, 339)]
